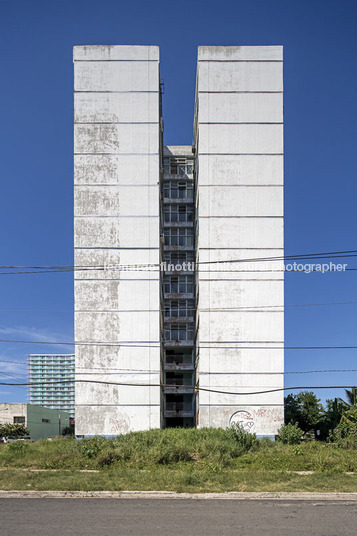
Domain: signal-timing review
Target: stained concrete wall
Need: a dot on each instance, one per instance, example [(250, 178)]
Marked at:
[(239, 144), (116, 210)]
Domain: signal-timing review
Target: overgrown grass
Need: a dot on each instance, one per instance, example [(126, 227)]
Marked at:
[(192, 479), (180, 460)]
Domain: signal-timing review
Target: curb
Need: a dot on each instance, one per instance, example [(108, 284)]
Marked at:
[(173, 495)]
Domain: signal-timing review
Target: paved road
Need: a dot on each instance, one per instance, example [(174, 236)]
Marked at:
[(153, 517)]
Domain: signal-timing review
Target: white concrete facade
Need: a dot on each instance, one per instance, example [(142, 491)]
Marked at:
[(239, 147), (119, 200), (116, 210)]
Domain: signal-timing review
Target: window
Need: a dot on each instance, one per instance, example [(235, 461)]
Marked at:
[(178, 213), (179, 332), (179, 378), (179, 308), (19, 420), (178, 189), (178, 236), (46, 420), (182, 284), (178, 166)]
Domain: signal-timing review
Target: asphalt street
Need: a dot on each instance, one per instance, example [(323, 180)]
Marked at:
[(149, 517)]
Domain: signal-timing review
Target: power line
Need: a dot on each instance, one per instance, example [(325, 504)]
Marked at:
[(189, 309), (13, 378), (194, 388), (69, 268), (203, 344), (158, 371)]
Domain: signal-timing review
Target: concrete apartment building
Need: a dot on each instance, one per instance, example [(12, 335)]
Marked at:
[(183, 339), (51, 378)]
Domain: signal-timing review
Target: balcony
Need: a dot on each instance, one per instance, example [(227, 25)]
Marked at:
[(178, 409), (178, 387)]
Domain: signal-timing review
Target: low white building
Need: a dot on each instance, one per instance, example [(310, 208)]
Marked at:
[(41, 422)]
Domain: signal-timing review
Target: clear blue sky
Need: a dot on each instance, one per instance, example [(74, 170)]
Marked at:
[(36, 144)]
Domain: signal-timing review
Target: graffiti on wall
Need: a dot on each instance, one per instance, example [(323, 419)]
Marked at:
[(119, 426), (260, 416), (244, 418)]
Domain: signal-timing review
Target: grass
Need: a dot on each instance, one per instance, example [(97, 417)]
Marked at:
[(205, 460)]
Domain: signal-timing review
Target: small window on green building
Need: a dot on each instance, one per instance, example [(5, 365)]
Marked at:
[(19, 420)]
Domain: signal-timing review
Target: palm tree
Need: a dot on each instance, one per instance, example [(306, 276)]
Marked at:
[(351, 397)]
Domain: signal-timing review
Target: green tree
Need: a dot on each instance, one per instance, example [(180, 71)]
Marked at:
[(13, 430), (290, 434), (304, 409), (345, 433), (333, 413), (68, 430)]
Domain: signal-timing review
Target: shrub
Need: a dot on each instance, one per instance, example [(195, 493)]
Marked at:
[(18, 447), (245, 439), (290, 434), (345, 433), (91, 447), (13, 430), (109, 457)]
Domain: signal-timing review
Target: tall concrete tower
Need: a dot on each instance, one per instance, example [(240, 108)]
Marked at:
[(239, 174), (116, 183), (187, 339)]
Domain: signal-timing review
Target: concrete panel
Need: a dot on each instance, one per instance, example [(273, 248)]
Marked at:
[(124, 295), (236, 53), (110, 232), (241, 233), (100, 359), (241, 139), (113, 138), (115, 53), (251, 360), (116, 107), (116, 76), (115, 169), (246, 76), (112, 294), (218, 201), (255, 272), (218, 399), (115, 420), (114, 200), (247, 295), (217, 327), (245, 256), (117, 327), (241, 108), (240, 169), (241, 382), (121, 394), (261, 420), (116, 263)]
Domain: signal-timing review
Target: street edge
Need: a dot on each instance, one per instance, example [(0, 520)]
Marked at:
[(306, 496)]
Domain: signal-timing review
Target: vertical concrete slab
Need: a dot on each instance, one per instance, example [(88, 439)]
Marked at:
[(239, 147), (116, 222)]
